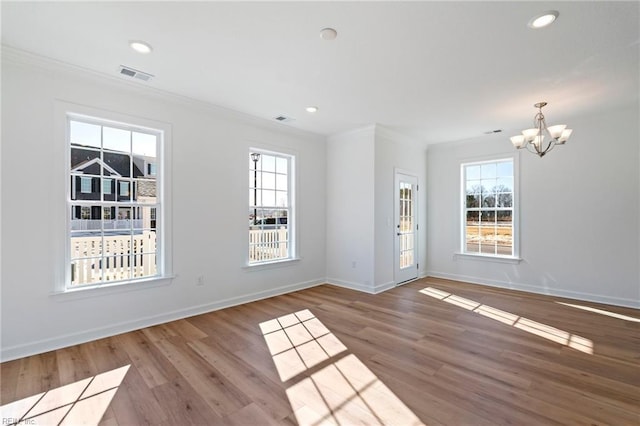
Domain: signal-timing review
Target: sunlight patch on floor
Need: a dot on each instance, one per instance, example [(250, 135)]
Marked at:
[(80, 403), (542, 330), (340, 389), (602, 312)]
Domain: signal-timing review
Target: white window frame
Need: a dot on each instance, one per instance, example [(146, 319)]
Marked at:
[(292, 254), (164, 259), (515, 256)]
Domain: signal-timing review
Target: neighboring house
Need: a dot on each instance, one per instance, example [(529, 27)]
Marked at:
[(112, 178)]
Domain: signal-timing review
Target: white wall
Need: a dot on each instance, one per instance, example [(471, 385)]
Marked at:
[(395, 151), (210, 214), (579, 213), (350, 209), (361, 168)]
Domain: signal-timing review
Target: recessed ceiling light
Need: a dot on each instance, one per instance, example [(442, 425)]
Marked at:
[(312, 109), (544, 19), (140, 46), (328, 34)]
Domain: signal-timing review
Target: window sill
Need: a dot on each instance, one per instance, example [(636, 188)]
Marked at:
[(271, 265), (108, 289), (488, 258)]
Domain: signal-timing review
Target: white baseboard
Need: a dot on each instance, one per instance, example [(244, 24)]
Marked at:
[(384, 287), (62, 341), (351, 285), (597, 298), (361, 287)]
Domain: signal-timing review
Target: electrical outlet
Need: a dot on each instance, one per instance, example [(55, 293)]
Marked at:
[(200, 280)]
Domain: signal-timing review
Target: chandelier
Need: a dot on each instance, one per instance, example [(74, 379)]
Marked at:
[(533, 139)]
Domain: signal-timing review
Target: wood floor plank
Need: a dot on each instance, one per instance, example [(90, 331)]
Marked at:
[(450, 353)]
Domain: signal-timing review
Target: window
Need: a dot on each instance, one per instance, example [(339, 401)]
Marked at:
[(151, 169), (106, 186), (85, 213), (488, 208), (85, 185), (270, 207), (124, 189), (112, 236)]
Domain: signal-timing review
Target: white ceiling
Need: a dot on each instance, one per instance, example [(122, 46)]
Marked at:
[(440, 70)]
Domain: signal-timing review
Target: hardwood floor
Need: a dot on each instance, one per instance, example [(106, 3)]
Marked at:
[(430, 352)]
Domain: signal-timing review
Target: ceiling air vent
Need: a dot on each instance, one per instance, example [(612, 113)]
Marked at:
[(133, 73), (283, 119)]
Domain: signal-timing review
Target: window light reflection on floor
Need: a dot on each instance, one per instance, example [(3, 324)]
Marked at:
[(80, 403), (542, 330), (329, 384), (602, 312)]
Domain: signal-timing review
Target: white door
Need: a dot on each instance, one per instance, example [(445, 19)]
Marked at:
[(406, 238)]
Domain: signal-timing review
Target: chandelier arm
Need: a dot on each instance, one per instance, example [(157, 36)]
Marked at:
[(533, 151), (552, 145)]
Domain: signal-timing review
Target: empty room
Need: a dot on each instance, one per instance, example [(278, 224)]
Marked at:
[(320, 212)]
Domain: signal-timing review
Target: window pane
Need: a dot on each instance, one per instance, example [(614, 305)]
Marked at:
[(488, 171), (144, 144), (505, 200), (281, 182), (488, 200), (144, 265), (145, 191), (143, 218), (84, 134), (85, 161), (281, 199), (488, 217), (488, 248), (116, 139), (268, 181), (504, 184), (473, 172), (86, 244), (268, 198), (85, 271), (117, 164), (488, 185), (281, 165), (472, 231), (473, 201), (115, 268), (505, 168), (268, 163)]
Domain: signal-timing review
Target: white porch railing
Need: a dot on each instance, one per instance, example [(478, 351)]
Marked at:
[(123, 257), (268, 244), (97, 224)]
